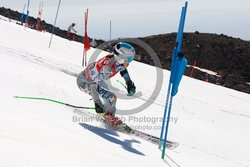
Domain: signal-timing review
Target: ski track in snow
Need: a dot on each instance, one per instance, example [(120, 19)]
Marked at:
[(70, 70), (53, 65), (62, 68)]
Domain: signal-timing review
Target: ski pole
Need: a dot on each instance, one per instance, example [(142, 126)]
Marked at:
[(51, 100), (122, 84)]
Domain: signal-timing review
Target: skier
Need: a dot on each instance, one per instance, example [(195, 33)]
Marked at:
[(91, 79), (72, 31)]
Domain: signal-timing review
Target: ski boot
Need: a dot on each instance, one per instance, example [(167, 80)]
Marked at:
[(98, 108), (111, 119)]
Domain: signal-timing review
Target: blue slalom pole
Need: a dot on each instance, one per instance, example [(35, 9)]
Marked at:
[(53, 30), (181, 28), (166, 131), (27, 16), (167, 99), (22, 16), (164, 116), (178, 66)]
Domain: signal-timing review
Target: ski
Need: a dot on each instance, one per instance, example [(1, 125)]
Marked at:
[(124, 128)]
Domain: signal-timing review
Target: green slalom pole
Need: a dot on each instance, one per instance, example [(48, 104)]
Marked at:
[(51, 100)]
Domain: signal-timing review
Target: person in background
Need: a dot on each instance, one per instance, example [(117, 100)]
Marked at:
[(71, 32)]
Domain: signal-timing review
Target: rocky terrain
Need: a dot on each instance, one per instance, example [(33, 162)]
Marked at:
[(228, 57)]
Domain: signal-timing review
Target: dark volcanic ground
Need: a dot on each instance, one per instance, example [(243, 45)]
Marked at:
[(228, 57)]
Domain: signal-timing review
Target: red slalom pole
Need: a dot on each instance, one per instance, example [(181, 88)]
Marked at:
[(38, 23), (192, 71), (86, 40)]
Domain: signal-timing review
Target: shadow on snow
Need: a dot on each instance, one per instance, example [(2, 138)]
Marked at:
[(108, 135)]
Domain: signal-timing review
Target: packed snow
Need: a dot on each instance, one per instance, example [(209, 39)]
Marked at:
[(210, 122), (205, 70)]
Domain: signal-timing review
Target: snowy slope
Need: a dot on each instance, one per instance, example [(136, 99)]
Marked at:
[(210, 122)]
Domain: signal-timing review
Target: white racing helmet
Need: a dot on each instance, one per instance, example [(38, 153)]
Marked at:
[(124, 51)]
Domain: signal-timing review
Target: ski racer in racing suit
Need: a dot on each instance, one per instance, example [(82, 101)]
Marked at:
[(91, 79)]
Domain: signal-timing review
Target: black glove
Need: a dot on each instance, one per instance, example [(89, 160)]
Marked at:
[(130, 87)]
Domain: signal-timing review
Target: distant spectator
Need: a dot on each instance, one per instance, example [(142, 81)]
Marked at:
[(93, 43), (43, 28), (71, 32)]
